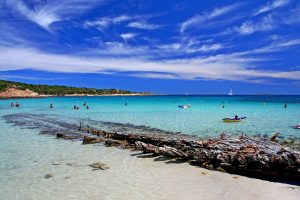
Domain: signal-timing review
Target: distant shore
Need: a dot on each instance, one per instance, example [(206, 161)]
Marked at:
[(13, 93)]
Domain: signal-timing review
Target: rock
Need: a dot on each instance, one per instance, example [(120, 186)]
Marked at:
[(55, 163), (99, 165), (273, 138), (91, 140), (48, 176), (115, 143), (14, 92), (220, 169), (59, 135)]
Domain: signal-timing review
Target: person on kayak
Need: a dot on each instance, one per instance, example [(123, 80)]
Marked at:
[(236, 117)]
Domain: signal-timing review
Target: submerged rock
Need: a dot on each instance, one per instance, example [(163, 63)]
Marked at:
[(48, 176), (91, 140), (59, 135), (99, 165), (55, 163)]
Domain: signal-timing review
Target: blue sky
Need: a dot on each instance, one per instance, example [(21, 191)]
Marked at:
[(163, 46)]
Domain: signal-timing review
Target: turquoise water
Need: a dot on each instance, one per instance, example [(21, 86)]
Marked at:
[(265, 114), (26, 156)]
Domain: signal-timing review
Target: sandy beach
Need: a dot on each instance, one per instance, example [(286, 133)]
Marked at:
[(130, 175)]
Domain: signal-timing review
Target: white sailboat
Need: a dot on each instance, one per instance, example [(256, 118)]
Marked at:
[(230, 93)]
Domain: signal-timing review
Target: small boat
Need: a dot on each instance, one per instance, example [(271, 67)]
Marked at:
[(297, 127), (184, 106), (228, 120)]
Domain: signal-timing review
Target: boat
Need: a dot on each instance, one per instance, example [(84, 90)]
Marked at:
[(229, 120), (230, 93), (184, 106), (297, 127)]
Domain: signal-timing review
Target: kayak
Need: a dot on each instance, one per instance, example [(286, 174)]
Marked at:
[(184, 106), (228, 120), (231, 120)]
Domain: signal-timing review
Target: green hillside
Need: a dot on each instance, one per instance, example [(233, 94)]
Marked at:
[(60, 90)]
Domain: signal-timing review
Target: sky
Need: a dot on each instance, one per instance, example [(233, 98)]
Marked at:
[(160, 46)]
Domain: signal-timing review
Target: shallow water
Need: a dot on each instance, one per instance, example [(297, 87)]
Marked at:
[(26, 156)]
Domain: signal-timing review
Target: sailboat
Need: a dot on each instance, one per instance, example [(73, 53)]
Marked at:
[(230, 93)]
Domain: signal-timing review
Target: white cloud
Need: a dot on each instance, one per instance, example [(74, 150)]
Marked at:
[(197, 20), (276, 46), (189, 47), (223, 67), (45, 13), (206, 48), (271, 6), (249, 27), (143, 25), (105, 22), (128, 36)]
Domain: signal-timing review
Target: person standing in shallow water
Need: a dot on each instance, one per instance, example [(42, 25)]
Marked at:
[(51, 106), (285, 105)]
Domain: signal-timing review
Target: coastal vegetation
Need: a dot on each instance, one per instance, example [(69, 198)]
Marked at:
[(58, 90)]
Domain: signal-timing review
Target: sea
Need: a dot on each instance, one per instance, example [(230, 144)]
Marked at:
[(26, 156)]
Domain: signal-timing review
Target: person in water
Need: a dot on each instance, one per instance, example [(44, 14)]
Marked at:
[(12, 104), (51, 106), (84, 104), (74, 107), (87, 107), (125, 104), (17, 104), (77, 108), (285, 105)]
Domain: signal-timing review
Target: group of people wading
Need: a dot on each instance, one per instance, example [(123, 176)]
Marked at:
[(74, 107), (84, 104), (12, 104), (17, 104)]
